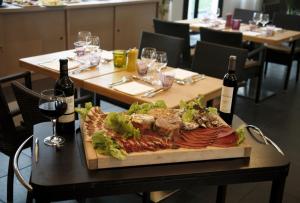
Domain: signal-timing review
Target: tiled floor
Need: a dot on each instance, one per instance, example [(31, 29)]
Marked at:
[(278, 117)]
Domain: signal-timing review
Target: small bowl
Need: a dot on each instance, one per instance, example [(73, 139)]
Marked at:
[(166, 79)]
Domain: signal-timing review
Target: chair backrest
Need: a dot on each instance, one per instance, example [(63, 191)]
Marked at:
[(234, 39), (7, 126), (180, 30), (28, 102), (290, 22), (244, 14), (212, 60), (173, 46)]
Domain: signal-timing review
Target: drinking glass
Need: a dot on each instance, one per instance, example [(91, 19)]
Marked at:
[(161, 60), (93, 43), (148, 56), (53, 105), (141, 68), (81, 42), (83, 36), (264, 19), (257, 17), (166, 79)]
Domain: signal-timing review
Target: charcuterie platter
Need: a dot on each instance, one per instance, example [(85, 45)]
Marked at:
[(151, 133)]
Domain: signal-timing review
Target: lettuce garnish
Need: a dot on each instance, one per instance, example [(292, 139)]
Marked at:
[(240, 131), (120, 123), (104, 144), (145, 107), (84, 111)]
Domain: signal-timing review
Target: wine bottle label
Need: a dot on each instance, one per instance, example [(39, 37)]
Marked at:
[(226, 99), (69, 115)]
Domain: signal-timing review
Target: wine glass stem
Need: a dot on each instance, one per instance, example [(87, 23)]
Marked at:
[(54, 127)]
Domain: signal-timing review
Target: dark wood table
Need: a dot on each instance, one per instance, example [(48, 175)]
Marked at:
[(62, 174)]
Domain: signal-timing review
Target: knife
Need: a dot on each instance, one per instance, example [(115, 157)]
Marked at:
[(36, 150)]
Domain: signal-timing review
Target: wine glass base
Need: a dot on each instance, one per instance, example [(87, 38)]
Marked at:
[(54, 140)]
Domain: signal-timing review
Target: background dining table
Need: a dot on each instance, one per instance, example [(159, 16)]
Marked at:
[(257, 36), (98, 79)]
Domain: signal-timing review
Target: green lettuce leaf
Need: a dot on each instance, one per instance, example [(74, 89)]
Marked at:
[(104, 144), (188, 115), (212, 110), (84, 111), (240, 131), (120, 123), (145, 107)]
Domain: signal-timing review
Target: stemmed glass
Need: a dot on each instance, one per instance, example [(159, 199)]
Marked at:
[(148, 56), (81, 42), (52, 105), (161, 60), (264, 19), (83, 37), (257, 17), (94, 43), (94, 49)]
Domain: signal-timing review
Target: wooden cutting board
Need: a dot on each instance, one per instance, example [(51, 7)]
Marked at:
[(99, 161)]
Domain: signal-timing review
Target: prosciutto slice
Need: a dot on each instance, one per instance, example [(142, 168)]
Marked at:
[(201, 138)]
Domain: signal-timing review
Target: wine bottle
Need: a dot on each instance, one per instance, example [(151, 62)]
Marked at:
[(229, 91), (66, 123)]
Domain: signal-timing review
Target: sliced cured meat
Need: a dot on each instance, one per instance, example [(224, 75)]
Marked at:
[(227, 141), (199, 138)]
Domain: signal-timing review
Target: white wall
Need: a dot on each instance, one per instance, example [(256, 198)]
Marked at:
[(230, 5), (177, 9)]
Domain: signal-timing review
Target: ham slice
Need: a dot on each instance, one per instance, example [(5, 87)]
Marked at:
[(200, 138)]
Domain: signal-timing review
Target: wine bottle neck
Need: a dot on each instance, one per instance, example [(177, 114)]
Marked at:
[(63, 68), (231, 64), (64, 73)]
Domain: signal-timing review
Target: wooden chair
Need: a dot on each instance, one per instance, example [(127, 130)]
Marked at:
[(212, 59), (173, 46), (11, 136), (177, 30), (285, 53)]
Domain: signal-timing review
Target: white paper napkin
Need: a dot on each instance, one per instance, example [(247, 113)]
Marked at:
[(54, 64), (133, 88), (251, 33), (107, 55), (181, 74)]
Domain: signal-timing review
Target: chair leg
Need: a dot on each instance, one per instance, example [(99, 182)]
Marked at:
[(10, 181), (258, 89), (266, 69), (298, 67), (287, 77)]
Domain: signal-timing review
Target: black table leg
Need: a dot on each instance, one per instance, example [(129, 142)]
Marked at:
[(221, 194), (277, 189), (146, 197)]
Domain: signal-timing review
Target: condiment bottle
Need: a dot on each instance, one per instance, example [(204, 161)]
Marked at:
[(132, 55)]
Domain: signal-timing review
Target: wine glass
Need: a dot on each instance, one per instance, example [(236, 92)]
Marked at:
[(148, 56), (257, 17), (264, 19), (52, 105), (82, 36), (161, 60), (93, 43)]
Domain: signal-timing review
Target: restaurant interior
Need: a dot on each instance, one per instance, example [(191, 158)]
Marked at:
[(149, 101)]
